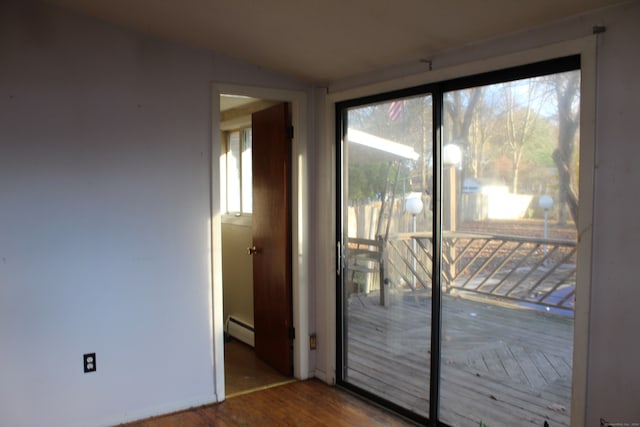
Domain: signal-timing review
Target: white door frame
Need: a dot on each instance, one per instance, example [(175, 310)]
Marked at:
[(299, 226)]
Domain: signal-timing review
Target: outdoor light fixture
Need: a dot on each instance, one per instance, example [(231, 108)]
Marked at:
[(414, 205), (451, 155), (545, 202)]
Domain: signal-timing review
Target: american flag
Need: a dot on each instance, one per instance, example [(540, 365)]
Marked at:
[(395, 109)]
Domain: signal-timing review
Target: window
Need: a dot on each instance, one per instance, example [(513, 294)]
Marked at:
[(236, 185)]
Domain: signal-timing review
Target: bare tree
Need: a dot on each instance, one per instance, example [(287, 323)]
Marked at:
[(483, 129), (461, 106), (521, 120), (566, 87)]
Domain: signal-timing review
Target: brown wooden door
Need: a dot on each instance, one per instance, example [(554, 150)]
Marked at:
[(272, 237)]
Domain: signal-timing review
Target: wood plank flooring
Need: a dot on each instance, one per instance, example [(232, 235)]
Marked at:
[(244, 372), (500, 365), (304, 403)]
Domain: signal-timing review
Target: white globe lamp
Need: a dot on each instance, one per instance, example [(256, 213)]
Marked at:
[(545, 202), (414, 205), (451, 155)]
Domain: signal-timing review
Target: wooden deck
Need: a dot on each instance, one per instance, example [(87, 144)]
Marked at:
[(502, 365)]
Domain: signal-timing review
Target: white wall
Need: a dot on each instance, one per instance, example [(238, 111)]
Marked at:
[(611, 369), (105, 140), (614, 373)]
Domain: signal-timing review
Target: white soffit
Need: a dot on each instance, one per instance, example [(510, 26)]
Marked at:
[(393, 150)]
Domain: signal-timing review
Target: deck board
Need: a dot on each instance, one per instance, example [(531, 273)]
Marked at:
[(500, 365)]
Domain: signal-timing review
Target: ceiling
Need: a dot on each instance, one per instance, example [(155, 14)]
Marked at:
[(326, 40), (230, 102)]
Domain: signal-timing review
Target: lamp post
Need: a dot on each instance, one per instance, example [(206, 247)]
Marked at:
[(451, 162), (414, 206), (546, 203)]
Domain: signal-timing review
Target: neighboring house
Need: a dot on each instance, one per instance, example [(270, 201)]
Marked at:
[(106, 201), (488, 198)]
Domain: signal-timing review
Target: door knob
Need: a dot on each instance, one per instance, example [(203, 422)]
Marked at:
[(252, 250)]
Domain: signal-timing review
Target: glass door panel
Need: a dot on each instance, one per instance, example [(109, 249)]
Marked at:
[(509, 180), (387, 247)]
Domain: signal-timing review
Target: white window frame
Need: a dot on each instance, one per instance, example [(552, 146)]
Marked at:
[(244, 174)]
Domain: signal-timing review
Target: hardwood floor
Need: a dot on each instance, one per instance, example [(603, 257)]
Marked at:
[(244, 372), (303, 403)]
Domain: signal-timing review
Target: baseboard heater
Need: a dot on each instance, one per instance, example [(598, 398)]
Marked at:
[(240, 331)]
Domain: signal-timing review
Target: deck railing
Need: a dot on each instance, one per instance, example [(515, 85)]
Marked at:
[(528, 271)]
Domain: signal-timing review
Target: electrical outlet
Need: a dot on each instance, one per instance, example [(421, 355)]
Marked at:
[(313, 342), (89, 362)]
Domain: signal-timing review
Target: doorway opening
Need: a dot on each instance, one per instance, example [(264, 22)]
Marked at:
[(254, 358)]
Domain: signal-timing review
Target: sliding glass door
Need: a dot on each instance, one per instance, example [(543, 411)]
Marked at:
[(509, 243), (457, 246), (386, 325)]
